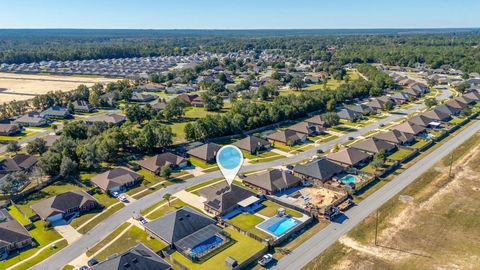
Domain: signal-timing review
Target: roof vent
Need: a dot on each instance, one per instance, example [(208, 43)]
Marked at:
[(188, 215), (126, 265), (135, 260)]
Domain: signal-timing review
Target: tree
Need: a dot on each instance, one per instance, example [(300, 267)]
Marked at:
[(68, 167), (13, 146), (330, 119), (37, 146), (335, 148), (175, 108), (75, 130), (378, 159), (50, 162), (296, 83), (462, 87), (168, 197), (389, 105), (430, 102), (165, 171), (466, 112)]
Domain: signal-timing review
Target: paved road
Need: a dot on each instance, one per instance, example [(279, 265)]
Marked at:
[(103, 229), (326, 237)]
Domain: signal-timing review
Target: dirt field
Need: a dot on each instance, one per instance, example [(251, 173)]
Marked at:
[(322, 197), (438, 229), (23, 86)]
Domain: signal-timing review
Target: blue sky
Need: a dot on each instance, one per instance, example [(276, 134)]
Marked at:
[(239, 14)]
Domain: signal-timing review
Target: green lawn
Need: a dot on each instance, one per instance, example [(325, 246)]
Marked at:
[(129, 240), (107, 239), (268, 159), (47, 192), (264, 154), (27, 264), (271, 209), (248, 222), (206, 183), (41, 235), (20, 136), (152, 207), (241, 250), (419, 144), (400, 154), (287, 148), (200, 163), (174, 205), (17, 215), (368, 169), (99, 218), (456, 121), (68, 267)]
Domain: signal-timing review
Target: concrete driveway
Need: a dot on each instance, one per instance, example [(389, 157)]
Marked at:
[(68, 232)]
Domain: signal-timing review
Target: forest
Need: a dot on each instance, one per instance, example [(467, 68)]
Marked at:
[(457, 48)]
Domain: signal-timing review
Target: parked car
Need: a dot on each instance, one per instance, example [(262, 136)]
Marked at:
[(123, 198), (83, 268), (115, 194), (143, 221), (242, 176), (265, 259), (92, 262), (381, 124), (290, 167)]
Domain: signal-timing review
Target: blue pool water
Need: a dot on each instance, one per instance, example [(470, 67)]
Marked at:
[(207, 244), (229, 157), (283, 225), (349, 179)]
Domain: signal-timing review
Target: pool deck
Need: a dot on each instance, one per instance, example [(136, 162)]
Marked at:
[(270, 221)]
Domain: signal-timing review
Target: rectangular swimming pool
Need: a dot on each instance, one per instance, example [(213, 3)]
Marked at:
[(278, 226)]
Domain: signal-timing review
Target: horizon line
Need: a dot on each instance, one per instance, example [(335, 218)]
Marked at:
[(249, 29)]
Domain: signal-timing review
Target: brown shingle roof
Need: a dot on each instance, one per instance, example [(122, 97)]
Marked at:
[(156, 162), (286, 135), (115, 178), (394, 136), (11, 231), (273, 180), (409, 128), (349, 156), (252, 144), (373, 145), (61, 203), (206, 152)]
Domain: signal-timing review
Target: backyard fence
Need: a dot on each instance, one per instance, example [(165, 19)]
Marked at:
[(247, 233)]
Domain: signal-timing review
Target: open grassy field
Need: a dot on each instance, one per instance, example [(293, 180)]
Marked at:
[(26, 86), (438, 228)]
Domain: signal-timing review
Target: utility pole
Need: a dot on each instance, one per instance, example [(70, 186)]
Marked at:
[(376, 229), (451, 163)]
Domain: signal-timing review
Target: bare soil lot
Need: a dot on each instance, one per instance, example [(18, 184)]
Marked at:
[(24, 86), (438, 229)]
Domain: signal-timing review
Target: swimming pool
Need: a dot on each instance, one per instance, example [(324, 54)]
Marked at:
[(282, 226), (348, 179), (207, 244)]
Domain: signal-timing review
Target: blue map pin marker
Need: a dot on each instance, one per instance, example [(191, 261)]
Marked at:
[(229, 160)]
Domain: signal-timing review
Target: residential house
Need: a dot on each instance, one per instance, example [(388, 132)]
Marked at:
[(185, 229), (349, 157), (447, 109), (150, 87), (82, 106), (32, 120), (109, 99), (19, 162), (361, 108), (65, 205), (374, 146), (160, 105), (272, 181), (142, 97), (409, 128), (305, 128), (349, 115), (113, 119), (56, 112), (139, 257), (50, 139), (376, 104), (188, 98), (13, 235), (155, 163), (421, 120), (320, 170), (473, 95), (465, 99), (206, 152), (252, 144), (395, 137), (223, 198), (316, 121), (9, 129), (116, 180), (437, 115), (400, 98), (456, 104), (287, 137)]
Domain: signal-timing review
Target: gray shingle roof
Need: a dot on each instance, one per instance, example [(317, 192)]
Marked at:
[(349, 156), (251, 144), (223, 197), (178, 224), (273, 180), (373, 145), (11, 231), (62, 202), (138, 258), (206, 151), (320, 169)]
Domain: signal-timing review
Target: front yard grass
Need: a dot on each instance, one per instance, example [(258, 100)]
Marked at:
[(455, 121), (42, 236), (243, 248), (128, 240), (174, 205), (419, 144), (200, 163), (271, 209), (27, 264), (20, 136), (107, 239), (12, 210), (99, 218), (206, 183)]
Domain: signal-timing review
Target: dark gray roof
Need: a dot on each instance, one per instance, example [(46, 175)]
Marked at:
[(223, 197), (206, 152), (138, 258), (251, 144), (17, 163), (62, 202), (319, 169), (349, 114), (287, 135), (55, 111), (447, 109), (11, 231), (373, 145), (273, 180), (394, 136), (178, 224), (349, 156), (436, 115)]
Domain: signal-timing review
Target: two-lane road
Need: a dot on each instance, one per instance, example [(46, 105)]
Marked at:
[(311, 248)]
